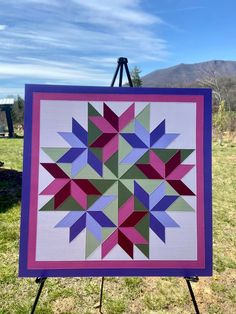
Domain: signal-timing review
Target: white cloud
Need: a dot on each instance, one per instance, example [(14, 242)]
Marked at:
[(51, 71), (127, 11), (76, 41), (2, 27)]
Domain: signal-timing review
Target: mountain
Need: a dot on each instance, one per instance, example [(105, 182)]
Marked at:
[(183, 75)]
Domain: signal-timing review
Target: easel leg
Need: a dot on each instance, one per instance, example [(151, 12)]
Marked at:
[(188, 281), (40, 281), (101, 295)]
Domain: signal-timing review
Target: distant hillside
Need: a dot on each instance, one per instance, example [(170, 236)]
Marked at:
[(187, 74)]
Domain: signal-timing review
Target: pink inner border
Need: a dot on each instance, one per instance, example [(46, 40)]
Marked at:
[(32, 234)]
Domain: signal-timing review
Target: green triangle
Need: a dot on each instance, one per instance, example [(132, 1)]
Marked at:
[(111, 211), (55, 153), (143, 227), (184, 153), (48, 206), (92, 199), (149, 185), (92, 111), (180, 205), (129, 128), (144, 159), (133, 173), (66, 167), (165, 154), (107, 231), (124, 148), (107, 173), (129, 184), (123, 194), (88, 173), (102, 185), (138, 205), (70, 205), (112, 164), (113, 189), (91, 244), (144, 117), (144, 248), (93, 132), (97, 152), (123, 168), (170, 190)]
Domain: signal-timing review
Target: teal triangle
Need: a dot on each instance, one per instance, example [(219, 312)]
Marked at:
[(144, 159), (144, 117), (111, 211), (92, 199), (97, 152), (88, 173), (112, 164), (66, 167), (170, 190), (149, 185), (133, 173), (55, 153), (103, 185), (184, 153), (91, 244), (143, 227), (48, 206), (144, 248), (107, 173), (92, 111), (138, 205), (165, 154), (124, 148), (123, 194), (180, 205), (123, 168), (93, 132), (129, 128), (106, 232), (69, 205), (129, 184), (113, 189)]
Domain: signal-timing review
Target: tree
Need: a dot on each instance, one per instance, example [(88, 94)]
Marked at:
[(18, 111), (220, 121), (223, 88), (135, 76)]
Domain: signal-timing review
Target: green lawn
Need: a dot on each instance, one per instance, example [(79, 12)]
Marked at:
[(121, 295)]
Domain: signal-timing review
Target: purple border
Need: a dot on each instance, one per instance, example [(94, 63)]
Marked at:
[(25, 272)]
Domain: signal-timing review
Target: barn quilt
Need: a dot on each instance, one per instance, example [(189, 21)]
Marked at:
[(116, 182)]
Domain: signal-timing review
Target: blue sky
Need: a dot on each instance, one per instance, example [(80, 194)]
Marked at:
[(77, 42)]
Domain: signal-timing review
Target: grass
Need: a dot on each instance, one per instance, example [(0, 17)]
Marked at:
[(143, 295)]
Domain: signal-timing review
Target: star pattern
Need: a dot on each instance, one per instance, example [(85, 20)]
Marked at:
[(110, 200), (125, 234)]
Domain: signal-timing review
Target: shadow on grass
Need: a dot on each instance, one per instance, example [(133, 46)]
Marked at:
[(10, 188)]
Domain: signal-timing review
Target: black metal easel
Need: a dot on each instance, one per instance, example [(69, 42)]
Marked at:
[(41, 282), (121, 65)]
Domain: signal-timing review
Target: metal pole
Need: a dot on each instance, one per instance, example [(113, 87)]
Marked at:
[(128, 75), (115, 75), (121, 75), (40, 281), (9, 122), (188, 281), (101, 295)]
